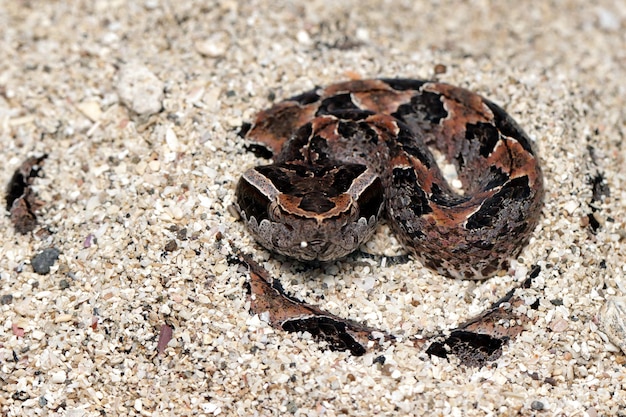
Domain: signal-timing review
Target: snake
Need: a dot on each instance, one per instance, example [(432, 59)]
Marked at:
[(453, 175)]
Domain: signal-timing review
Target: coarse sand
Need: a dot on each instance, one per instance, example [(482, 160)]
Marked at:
[(138, 105)]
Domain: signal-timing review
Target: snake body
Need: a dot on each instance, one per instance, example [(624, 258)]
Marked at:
[(353, 152)]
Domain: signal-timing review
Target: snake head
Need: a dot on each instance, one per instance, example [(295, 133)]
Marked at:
[(312, 213)]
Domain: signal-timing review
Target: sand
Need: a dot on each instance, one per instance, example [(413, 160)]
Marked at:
[(138, 104)]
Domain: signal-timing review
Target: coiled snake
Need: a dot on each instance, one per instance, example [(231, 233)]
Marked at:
[(350, 153), (347, 154)]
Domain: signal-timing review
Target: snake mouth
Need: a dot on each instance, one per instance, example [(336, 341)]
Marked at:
[(317, 242), (319, 249)]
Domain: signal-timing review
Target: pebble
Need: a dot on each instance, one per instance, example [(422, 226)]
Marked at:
[(42, 262), (154, 166), (571, 206), (37, 334), (6, 299), (559, 325), (140, 90), (171, 246), (220, 268), (172, 140), (59, 377), (90, 109), (63, 318), (537, 405), (213, 47), (303, 37)]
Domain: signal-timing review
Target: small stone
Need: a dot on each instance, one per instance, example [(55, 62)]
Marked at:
[(89, 240), (303, 37), (362, 34), (6, 299), (171, 246), (90, 109), (440, 69), (215, 46), (571, 206), (42, 262), (151, 4), (536, 405), (59, 377), (592, 412), (379, 359), (64, 268), (63, 318), (559, 325), (220, 268), (172, 140), (140, 90), (211, 408), (292, 407), (140, 167), (64, 284), (154, 165), (37, 334)]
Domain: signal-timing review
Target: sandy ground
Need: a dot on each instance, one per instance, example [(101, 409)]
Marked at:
[(137, 105)]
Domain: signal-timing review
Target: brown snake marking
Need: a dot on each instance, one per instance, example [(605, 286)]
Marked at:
[(350, 153)]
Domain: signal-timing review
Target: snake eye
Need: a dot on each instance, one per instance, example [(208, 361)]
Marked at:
[(371, 199), (251, 201)]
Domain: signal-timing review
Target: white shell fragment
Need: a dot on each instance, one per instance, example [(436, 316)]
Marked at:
[(612, 321), (139, 89), (91, 110), (214, 46)]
